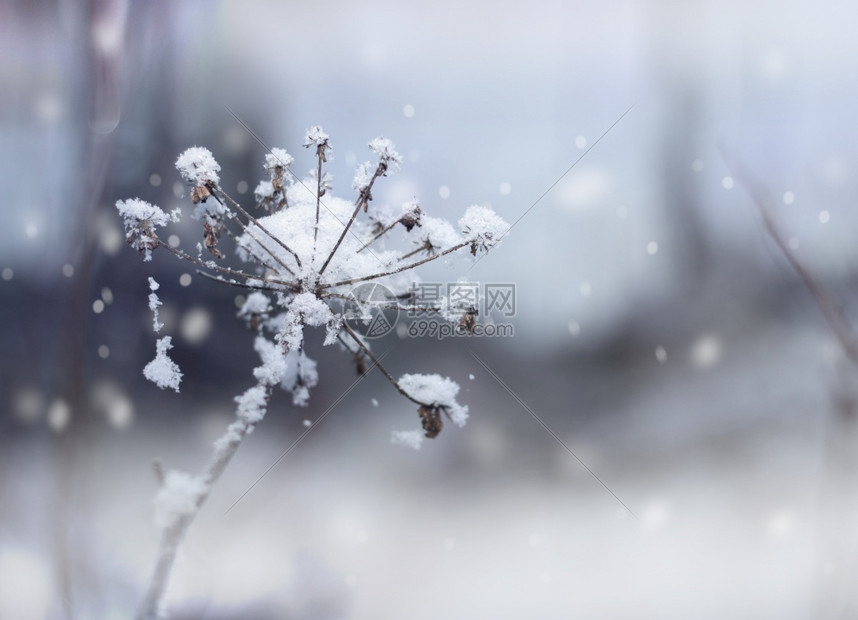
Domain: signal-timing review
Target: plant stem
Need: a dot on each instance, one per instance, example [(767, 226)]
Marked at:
[(383, 370), (319, 155), (362, 201), (174, 534), (377, 237), (201, 263), (245, 285)]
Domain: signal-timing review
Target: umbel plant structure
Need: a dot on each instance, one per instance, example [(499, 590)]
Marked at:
[(304, 254)]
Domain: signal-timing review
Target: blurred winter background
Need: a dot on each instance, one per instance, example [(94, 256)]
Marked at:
[(659, 332)]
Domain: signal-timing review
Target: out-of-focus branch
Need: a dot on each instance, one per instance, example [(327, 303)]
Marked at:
[(831, 309)]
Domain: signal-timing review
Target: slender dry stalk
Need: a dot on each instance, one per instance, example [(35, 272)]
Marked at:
[(173, 535), (828, 305)]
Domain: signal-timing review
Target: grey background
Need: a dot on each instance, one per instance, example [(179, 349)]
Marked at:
[(698, 382)]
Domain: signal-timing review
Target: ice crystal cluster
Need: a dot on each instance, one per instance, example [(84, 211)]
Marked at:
[(303, 251)]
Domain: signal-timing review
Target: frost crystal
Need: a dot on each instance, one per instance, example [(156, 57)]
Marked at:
[(179, 496), (255, 309), (135, 211), (301, 375), (438, 234), (316, 136), (264, 190), (386, 152), (273, 367), (483, 227), (256, 303), (312, 310), (162, 371), (198, 167), (278, 158), (252, 405), (437, 391), (363, 176)]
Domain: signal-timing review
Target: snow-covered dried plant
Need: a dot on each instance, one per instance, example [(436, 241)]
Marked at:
[(303, 255)]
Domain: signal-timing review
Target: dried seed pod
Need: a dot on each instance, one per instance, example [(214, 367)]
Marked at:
[(411, 216), (430, 417), (144, 243), (409, 221), (277, 182), (468, 321), (200, 193), (211, 234)]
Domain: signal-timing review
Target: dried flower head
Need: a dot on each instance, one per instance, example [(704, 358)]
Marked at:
[(306, 253), (198, 167), (141, 220)]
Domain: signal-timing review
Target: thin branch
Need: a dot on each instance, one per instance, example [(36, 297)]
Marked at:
[(385, 305), (426, 247), (242, 284), (250, 234), (375, 361), (458, 246), (831, 309), (172, 536), (362, 201), (262, 261), (320, 155), (256, 223), (226, 270), (298, 180)]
